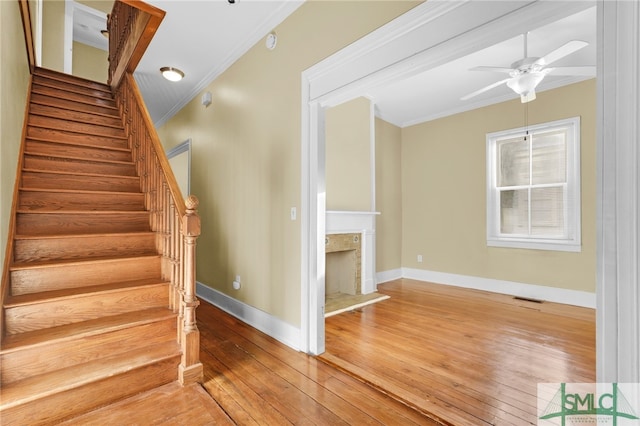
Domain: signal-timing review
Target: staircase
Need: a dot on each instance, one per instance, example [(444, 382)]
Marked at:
[(86, 318)]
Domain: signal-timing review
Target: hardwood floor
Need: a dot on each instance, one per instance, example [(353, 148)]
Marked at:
[(465, 356), (429, 352), (252, 379)]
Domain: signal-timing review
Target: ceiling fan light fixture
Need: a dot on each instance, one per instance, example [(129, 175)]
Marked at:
[(525, 85), (172, 74)]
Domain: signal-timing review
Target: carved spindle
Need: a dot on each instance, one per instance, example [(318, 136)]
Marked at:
[(190, 367)]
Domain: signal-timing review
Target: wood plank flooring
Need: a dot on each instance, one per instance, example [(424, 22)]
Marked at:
[(465, 356), (429, 352), (252, 379)]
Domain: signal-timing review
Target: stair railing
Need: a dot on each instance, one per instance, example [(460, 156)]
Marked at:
[(174, 220), (131, 26)]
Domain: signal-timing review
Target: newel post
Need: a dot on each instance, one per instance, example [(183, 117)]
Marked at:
[(190, 370)]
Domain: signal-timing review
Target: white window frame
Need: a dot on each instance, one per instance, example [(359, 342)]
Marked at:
[(571, 241)]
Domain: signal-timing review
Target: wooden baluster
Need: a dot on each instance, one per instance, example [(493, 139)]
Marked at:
[(190, 370), (180, 282), (175, 244)]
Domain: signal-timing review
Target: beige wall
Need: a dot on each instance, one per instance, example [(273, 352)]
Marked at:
[(388, 196), (14, 82), (102, 5), (348, 156), (246, 154), (53, 35), (444, 205), (89, 62)]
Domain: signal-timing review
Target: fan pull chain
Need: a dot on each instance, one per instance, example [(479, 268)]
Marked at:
[(526, 121)]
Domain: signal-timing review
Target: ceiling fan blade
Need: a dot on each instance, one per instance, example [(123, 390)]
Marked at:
[(484, 89), (582, 70), (493, 69), (562, 51)]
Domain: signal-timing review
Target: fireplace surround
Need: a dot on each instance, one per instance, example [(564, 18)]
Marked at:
[(352, 231)]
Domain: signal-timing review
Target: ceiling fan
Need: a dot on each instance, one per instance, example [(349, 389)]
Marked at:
[(527, 73)]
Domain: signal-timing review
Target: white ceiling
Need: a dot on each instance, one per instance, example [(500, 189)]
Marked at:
[(218, 33), (437, 92)]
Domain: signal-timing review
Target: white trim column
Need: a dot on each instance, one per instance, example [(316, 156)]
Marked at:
[(618, 284), (69, 7)]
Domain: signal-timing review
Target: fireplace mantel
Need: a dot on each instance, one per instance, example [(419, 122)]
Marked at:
[(364, 223), (340, 222)]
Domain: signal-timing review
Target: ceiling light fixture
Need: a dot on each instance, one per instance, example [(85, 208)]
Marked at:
[(172, 74)]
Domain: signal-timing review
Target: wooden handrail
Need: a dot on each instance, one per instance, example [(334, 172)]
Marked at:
[(175, 222), (28, 33), (131, 26)]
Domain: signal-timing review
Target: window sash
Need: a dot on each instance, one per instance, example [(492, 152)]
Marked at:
[(557, 141)]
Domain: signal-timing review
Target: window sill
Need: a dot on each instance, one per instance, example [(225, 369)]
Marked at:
[(550, 245)]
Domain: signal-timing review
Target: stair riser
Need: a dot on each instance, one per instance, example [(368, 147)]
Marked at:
[(56, 355), (34, 280), (21, 319), (74, 128), (76, 116), (81, 139), (72, 87), (73, 151), (77, 97), (34, 250), (57, 406), (72, 105), (80, 223), (75, 81), (37, 200), (37, 180), (78, 166)]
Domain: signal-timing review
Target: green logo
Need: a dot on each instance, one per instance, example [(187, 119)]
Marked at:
[(588, 403)]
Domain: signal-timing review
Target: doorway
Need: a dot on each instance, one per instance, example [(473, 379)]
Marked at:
[(431, 34)]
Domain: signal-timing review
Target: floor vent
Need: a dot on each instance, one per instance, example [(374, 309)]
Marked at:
[(528, 299)]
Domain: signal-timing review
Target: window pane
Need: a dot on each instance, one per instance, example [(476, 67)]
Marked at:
[(549, 157), (547, 211), (514, 212), (513, 162)]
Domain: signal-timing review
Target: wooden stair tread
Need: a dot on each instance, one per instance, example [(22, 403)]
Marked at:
[(82, 132), (20, 266), (57, 236), (44, 92), (43, 385), (80, 191), (75, 88), (57, 75), (108, 105), (13, 342), (71, 293), (82, 174), (84, 212), (82, 117), (81, 159), (76, 108), (80, 145)]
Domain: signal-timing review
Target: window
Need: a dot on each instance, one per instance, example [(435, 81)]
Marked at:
[(533, 187)]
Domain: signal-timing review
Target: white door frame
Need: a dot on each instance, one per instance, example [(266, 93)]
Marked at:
[(436, 32)]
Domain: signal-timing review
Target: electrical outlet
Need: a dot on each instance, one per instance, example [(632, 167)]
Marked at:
[(294, 213), (419, 258)]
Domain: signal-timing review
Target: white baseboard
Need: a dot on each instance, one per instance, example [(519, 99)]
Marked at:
[(267, 323), (540, 292), (386, 276)]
